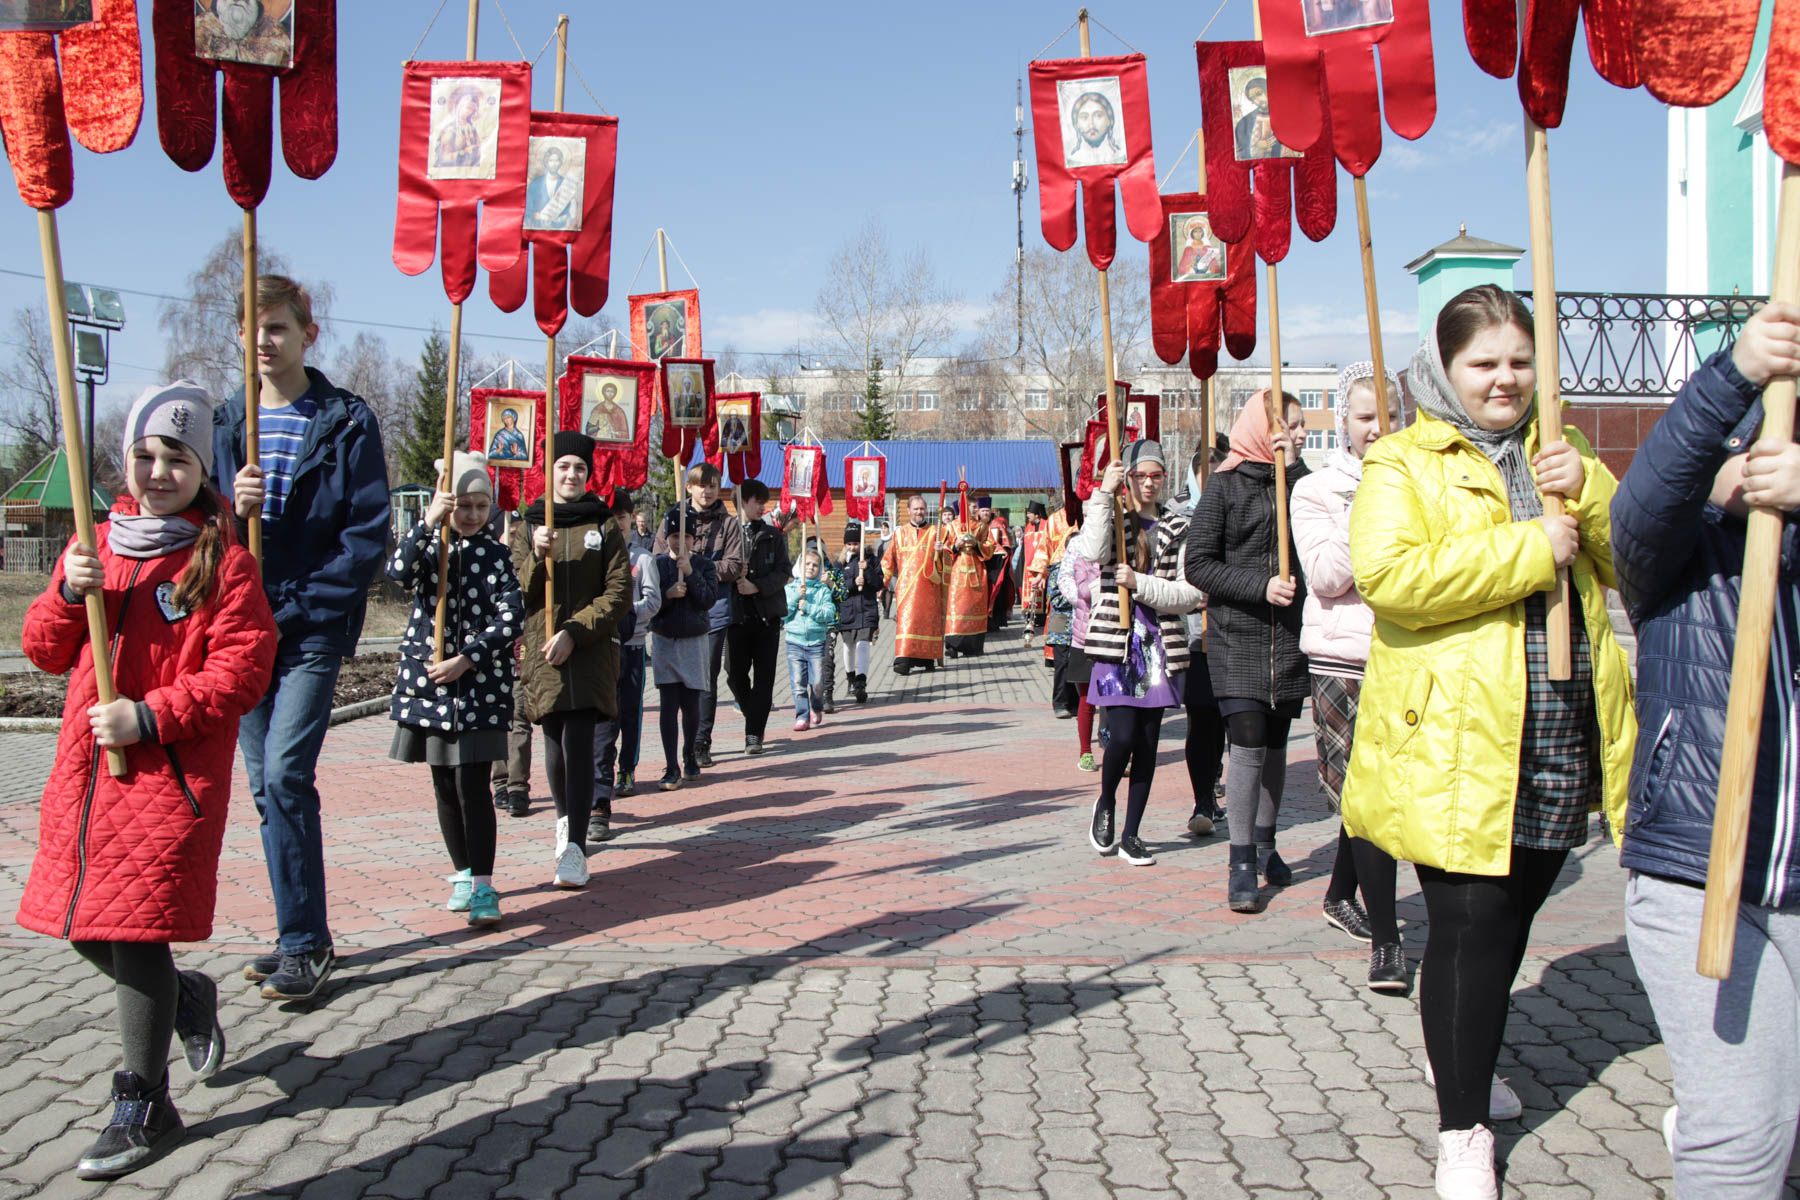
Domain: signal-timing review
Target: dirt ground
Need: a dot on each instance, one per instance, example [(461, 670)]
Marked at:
[(32, 694)]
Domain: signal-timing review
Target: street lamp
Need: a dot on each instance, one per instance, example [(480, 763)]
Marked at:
[(94, 312)]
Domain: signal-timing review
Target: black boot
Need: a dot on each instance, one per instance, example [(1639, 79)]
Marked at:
[(1268, 863), (859, 688), (144, 1127), (1241, 886)]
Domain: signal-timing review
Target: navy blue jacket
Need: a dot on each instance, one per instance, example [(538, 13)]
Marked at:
[(689, 615), (321, 554), (1679, 560)]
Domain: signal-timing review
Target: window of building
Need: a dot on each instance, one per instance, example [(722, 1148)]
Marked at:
[(1315, 439), (903, 402), (997, 402), (858, 402), (968, 401), (1037, 400), (928, 401), (1312, 398)]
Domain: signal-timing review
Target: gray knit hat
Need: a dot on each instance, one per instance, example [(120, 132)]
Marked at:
[(181, 411), (1142, 451)]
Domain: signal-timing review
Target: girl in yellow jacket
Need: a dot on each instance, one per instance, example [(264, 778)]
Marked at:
[(1469, 760)]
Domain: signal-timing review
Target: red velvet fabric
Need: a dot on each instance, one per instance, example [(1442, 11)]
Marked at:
[(806, 506), (185, 101), (96, 93), (1188, 318), (513, 486), (616, 464), (1136, 176), (1344, 61), (1691, 52), (434, 214), (1549, 38), (638, 306), (745, 463), (1095, 454), (1307, 184), (1069, 455), (678, 441), (865, 508), (547, 266), (1781, 89)]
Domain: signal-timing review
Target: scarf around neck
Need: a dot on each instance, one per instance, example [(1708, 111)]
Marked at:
[(589, 510), (141, 535), (1505, 448)]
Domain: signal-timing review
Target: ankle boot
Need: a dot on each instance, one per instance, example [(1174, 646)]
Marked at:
[(144, 1127), (1268, 863), (1241, 886)]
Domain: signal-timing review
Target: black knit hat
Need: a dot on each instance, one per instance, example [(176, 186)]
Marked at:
[(569, 441), (672, 519)]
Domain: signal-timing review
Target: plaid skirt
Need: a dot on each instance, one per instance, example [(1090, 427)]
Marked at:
[(1335, 698), (1559, 760)]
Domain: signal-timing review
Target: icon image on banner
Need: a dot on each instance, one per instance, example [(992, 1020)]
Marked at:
[(609, 407), (734, 426), (1092, 118), (465, 127), (1199, 254), (1335, 16), (511, 435), (1253, 137), (558, 177), (44, 16)]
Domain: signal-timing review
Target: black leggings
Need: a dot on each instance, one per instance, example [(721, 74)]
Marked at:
[(678, 702), (1205, 750), (569, 761), (1479, 927), (1131, 735), (1363, 863), (146, 989), (465, 812)]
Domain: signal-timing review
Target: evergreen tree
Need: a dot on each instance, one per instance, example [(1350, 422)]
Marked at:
[(422, 442), (875, 423)]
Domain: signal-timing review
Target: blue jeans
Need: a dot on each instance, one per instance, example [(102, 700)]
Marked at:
[(281, 738), (806, 676)]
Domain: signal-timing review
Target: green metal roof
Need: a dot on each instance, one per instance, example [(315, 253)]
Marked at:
[(47, 486)]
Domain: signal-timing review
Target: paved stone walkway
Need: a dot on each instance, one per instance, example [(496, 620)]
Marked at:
[(880, 961)]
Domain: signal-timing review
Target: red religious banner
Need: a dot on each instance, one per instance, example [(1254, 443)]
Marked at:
[(1096, 454), (1241, 148), (96, 93), (293, 41), (1138, 412), (734, 436), (610, 400), (1326, 49), (465, 130), (805, 490), (1492, 30), (1092, 125), (865, 487), (1200, 288), (568, 212), (664, 324), (687, 386), (1691, 53), (507, 425), (1069, 454)]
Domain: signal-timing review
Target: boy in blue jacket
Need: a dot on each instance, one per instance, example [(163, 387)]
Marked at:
[(320, 483), (1678, 548), (811, 612)]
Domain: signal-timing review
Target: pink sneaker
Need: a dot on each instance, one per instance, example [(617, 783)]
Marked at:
[(817, 719), (801, 725)]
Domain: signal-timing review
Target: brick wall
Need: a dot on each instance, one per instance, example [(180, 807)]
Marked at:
[(1616, 429)]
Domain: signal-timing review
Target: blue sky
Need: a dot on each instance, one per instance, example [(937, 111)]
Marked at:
[(763, 137)]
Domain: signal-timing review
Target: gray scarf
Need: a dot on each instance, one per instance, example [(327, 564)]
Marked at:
[(140, 535), (1505, 448)]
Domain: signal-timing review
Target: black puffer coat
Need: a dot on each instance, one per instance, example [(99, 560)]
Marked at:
[(768, 566), (1252, 647), (482, 618), (861, 606)]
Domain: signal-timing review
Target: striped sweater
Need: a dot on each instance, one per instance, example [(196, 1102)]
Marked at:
[(1166, 592)]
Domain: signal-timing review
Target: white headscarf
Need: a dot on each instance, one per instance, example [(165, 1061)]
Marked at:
[(1349, 377)]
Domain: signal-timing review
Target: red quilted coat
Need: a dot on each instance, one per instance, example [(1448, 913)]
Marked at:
[(136, 859)]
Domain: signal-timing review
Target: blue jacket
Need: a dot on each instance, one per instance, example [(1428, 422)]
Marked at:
[(321, 554), (811, 612), (1678, 560), (686, 616)]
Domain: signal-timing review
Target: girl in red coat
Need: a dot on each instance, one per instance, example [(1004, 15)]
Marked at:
[(127, 865)]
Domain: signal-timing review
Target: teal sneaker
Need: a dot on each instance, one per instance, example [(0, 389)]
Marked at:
[(484, 906), (459, 892)]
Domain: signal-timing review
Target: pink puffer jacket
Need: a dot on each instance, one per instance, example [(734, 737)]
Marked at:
[(1335, 624)]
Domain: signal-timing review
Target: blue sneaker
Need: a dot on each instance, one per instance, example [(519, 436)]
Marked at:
[(484, 905), (459, 891)]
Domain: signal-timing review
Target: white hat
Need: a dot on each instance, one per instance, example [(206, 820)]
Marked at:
[(468, 474)]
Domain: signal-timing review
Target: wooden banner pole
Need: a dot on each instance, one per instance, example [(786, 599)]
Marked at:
[(81, 492), (252, 376), (1278, 425), (1557, 633), (1372, 303), (662, 271), (450, 402), (1206, 412), (1750, 653), (550, 397)]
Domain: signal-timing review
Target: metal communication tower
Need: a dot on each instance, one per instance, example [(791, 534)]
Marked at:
[(1019, 184)]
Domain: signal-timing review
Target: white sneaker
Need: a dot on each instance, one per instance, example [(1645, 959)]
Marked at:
[(562, 835), (1669, 1130), (1503, 1102), (571, 868), (1465, 1164)]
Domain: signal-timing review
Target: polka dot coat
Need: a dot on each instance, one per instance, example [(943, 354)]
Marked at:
[(483, 618)]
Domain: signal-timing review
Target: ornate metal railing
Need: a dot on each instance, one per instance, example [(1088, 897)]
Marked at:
[(1637, 345)]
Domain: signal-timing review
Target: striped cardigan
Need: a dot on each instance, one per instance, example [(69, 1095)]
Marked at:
[(1167, 592)]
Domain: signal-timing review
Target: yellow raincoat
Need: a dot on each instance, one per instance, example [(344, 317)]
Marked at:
[(1435, 765)]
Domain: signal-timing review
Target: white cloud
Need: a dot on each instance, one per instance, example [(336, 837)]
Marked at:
[(767, 329)]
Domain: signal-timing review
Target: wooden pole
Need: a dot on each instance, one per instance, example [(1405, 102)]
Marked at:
[(1206, 412), (1549, 374), (1750, 654), (450, 402), (550, 396), (1372, 303), (662, 271), (81, 493), (1277, 425), (1113, 424), (252, 376)]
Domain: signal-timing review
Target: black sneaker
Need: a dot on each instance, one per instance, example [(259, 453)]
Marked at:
[(518, 803), (703, 756), (1200, 825), (1387, 969), (691, 768), (828, 707), (671, 780), (1275, 872), (197, 1024), (753, 745), (144, 1127), (1349, 916), (903, 669), (301, 975), (1100, 829), (627, 784), (599, 829), (261, 967), (1135, 852)]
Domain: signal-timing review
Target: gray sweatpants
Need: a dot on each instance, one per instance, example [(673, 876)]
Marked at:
[(1734, 1044)]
